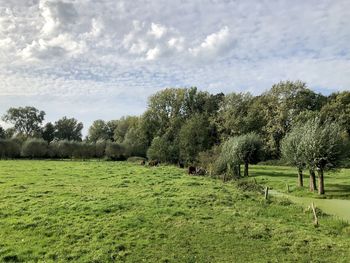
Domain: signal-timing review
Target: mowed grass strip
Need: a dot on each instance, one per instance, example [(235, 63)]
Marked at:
[(121, 212)]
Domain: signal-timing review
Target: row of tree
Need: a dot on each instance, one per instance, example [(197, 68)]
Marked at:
[(27, 123), (35, 148)]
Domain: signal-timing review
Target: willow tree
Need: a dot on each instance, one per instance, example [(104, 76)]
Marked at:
[(292, 151), (323, 147)]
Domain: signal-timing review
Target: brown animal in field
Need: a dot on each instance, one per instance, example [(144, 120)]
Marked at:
[(143, 162), (200, 171), (181, 164), (191, 170), (153, 163)]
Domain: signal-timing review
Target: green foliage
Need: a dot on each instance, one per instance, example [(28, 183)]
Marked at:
[(34, 148), (122, 127), (135, 141), (99, 130), (26, 120), (83, 150), (194, 137), (100, 148), (292, 150), (65, 149), (68, 129), (338, 109), (162, 150), (208, 159), (244, 149), (115, 151), (2, 133), (9, 148), (48, 132), (323, 144)]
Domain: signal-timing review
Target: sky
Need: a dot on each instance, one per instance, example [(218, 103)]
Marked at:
[(102, 59)]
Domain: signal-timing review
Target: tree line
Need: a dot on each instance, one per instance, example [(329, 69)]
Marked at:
[(219, 132)]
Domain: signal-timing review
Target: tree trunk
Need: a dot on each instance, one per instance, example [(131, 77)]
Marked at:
[(300, 177), (246, 172), (320, 182), (313, 186)]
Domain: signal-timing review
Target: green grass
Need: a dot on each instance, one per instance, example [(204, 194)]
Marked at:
[(122, 212), (337, 183)]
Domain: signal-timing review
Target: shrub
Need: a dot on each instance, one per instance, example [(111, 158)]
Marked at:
[(163, 150), (9, 148), (53, 149), (208, 159), (83, 150), (65, 149), (115, 151), (34, 148), (100, 148)]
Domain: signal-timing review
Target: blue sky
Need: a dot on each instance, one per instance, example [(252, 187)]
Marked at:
[(92, 59)]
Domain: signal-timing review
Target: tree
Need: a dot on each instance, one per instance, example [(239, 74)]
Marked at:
[(115, 151), (26, 120), (245, 149), (228, 162), (100, 147), (98, 131), (2, 133), (323, 146), (68, 129), (34, 148), (293, 154), (162, 150), (194, 137), (135, 141), (234, 118), (122, 127), (10, 132), (65, 149), (9, 148), (280, 105), (48, 132), (249, 150), (338, 109)]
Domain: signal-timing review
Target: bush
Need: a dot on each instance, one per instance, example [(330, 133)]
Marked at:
[(163, 150), (115, 151), (208, 159), (83, 150), (9, 148), (53, 149), (65, 149), (34, 148), (100, 148)]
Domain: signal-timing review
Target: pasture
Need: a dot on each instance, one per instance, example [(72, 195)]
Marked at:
[(99, 211)]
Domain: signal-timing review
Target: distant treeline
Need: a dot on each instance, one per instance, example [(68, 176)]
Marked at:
[(36, 148), (179, 125)]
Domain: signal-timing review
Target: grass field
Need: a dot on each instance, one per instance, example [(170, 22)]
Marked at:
[(122, 212), (337, 183)]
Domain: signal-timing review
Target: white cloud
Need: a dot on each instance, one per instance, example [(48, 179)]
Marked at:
[(127, 50), (213, 44), (157, 30)]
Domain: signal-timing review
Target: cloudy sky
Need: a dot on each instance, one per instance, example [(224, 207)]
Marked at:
[(92, 59)]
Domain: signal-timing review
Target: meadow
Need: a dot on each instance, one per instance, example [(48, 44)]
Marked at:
[(96, 211)]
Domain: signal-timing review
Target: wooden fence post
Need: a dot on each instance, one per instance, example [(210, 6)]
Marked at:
[(314, 212), (266, 192)]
